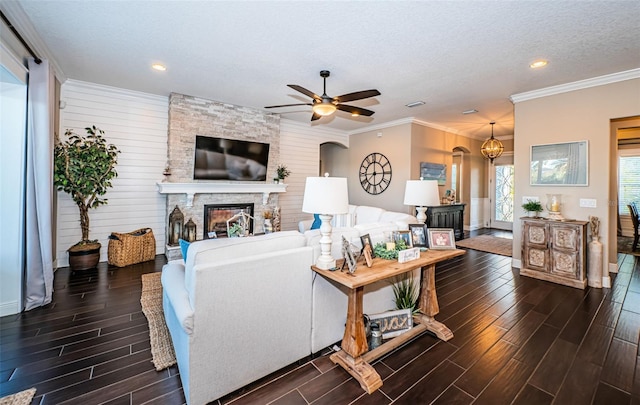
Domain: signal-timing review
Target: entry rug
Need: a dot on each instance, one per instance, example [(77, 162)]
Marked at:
[(151, 300), (19, 398), (488, 243)]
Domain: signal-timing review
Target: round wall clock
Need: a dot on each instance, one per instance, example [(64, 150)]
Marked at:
[(375, 173)]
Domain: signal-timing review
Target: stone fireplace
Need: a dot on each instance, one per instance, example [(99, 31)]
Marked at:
[(190, 116)]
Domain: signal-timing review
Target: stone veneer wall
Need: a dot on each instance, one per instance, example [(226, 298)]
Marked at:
[(190, 116)]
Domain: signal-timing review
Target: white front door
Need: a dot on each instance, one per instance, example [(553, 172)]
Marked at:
[(501, 183)]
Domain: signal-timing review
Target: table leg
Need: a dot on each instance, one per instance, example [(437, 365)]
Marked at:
[(354, 344), (429, 304)]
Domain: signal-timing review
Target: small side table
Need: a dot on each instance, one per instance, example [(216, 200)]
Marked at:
[(355, 356)]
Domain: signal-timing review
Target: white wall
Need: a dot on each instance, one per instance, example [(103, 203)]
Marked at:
[(575, 115), (300, 152), (137, 123)]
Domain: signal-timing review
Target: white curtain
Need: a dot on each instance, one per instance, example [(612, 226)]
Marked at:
[(39, 188)]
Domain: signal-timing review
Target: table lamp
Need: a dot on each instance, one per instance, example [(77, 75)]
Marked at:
[(325, 196), (421, 193)]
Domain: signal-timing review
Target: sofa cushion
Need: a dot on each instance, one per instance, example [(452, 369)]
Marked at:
[(401, 219), (204, 251), (367, 215), (316, 222), (173, 283), (184, 247), (313, 239)]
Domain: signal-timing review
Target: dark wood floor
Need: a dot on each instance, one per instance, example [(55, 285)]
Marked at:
[(517, 341)]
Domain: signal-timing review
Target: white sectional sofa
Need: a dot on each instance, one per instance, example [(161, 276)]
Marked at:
[(240, 308), (237, 310)]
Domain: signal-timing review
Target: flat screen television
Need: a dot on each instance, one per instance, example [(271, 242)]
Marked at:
[(230, 159)]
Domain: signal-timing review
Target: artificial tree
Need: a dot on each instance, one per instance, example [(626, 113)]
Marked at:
[(84, 166)]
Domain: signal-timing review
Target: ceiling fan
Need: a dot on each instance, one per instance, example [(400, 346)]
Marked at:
[(325, 105)]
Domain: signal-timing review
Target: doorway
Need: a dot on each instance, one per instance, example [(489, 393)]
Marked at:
[(501, 183)]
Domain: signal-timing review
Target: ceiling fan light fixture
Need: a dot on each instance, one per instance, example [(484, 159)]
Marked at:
[(324, 109), (158, 66), (492, 147)]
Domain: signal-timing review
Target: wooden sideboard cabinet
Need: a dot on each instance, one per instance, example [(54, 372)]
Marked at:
[(555, 251), (447, 216)]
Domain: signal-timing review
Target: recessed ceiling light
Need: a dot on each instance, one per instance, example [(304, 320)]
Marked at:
[(473, 111), (158, 66), (538, 64), (415, 104)]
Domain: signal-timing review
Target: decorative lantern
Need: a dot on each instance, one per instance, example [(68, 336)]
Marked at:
[(190, 231), (176, 224)]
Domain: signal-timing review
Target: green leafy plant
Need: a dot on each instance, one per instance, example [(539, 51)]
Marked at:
[(235, 230), (84, 166), (406, 293), (532, 206), (283, 172), (380, 250)]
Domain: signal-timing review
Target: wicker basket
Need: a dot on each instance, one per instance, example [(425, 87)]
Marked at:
[(131, 248)]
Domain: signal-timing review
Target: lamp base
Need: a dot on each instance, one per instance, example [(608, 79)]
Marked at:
[(324, 263), (422, 216)]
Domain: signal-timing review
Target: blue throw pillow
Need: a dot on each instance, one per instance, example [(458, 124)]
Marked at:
[(184, 247), (316, 221)]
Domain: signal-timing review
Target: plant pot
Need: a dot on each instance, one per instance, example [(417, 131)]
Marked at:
[(84, 257)]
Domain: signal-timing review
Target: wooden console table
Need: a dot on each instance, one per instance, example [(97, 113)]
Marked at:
[(354, 356)]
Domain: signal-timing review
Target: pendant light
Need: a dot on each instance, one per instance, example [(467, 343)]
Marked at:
[(492, 147)]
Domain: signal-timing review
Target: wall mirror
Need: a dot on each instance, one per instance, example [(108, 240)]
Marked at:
[(560, 164)]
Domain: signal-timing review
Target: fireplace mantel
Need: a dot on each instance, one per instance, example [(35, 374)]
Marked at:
[(191, 189)]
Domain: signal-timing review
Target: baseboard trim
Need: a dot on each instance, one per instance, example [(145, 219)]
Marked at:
[(613, 267), (9, 308)]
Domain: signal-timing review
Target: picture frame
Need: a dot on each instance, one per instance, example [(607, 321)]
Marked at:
[(560, 164), (419, 235), (441, 238), (350, 258), (393, 323), (404, 235), (366, 239), (434, 171)]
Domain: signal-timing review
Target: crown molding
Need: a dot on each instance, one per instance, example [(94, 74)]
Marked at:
[(579, 85), (23, 25), (162, 100), (403, 121)]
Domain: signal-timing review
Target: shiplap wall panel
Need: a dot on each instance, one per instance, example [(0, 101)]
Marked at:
[(137, 123), (300, 152)]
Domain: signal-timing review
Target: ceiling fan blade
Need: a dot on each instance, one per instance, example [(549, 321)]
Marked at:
[(355, 110), (286, 105), (305, 91), (358, 95), (315, 116)]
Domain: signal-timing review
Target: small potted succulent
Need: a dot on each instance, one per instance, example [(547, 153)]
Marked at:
[(83, 167), (532, 207)]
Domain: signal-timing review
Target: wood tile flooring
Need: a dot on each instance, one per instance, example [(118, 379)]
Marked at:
[(517, 341)]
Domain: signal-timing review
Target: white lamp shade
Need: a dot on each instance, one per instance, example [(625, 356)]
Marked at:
[(326, 195), (421, 193)]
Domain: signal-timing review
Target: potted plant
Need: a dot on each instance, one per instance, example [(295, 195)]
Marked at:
[(532, 207), (282, 172), (405, 293), (84, 166)]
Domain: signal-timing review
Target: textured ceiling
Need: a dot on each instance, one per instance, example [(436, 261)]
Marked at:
[(453, 55)]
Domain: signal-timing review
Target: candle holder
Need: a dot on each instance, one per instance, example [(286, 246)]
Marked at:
[(554, 202)]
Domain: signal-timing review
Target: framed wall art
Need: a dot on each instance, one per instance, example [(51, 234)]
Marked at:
[(560, 164), (434, 171)]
